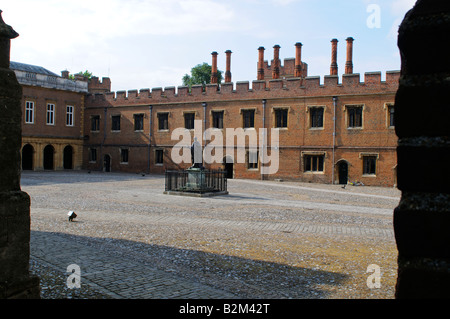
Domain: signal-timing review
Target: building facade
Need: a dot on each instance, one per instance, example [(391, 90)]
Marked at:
[(52, 118), (339, 131)]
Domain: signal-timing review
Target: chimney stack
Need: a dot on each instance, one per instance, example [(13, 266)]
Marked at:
[(298, 60), (214, 68), (261, 64), (276, 62), (349, 63), (334, 66), (228, 71), (65, 74)]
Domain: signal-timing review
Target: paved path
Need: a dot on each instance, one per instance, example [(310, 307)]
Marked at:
[(114, 273)]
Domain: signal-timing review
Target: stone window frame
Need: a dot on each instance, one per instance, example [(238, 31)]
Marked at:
[(32, 110), (113, 116), (310, 114), (141, 115), (347, 115), (388, 106), (244, 110), (313, 154), (158, 121), (364, 156), (274, 116), (99, 119)]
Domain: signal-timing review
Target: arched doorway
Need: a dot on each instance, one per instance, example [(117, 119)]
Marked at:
[(228, 166), (49, 153), (68, 157), (107, 163), (27, 157), (343, 172)]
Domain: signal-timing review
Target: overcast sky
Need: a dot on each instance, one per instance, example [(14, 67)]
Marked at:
[(153, 43)]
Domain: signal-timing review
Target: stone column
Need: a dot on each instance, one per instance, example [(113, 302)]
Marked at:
[(260, 63), (15, 280), (298, 60), (228, 67), (276, 62), (422, 114), (214, 68), (334, 66), (349, 63)]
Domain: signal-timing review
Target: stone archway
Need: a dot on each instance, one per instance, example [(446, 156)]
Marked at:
[(28, 157), (49, 156)]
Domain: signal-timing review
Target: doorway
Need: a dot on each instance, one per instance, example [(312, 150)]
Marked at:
[(27, 157), (107, 163), (228, 166), (343, 172), (68, 157), (49, 153)]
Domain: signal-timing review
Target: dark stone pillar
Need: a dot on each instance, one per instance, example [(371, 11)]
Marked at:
[(15, 280), (422, 116)]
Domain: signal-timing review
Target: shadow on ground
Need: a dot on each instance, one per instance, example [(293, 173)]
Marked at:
[(245, 278)]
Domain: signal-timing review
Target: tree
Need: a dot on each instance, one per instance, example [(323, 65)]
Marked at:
[(86, 73), (200, 74)]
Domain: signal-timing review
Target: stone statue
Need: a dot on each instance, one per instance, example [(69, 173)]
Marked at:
[(196, 154)]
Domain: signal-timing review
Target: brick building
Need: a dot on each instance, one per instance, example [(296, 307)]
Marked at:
[(338, 131), (52, 122)]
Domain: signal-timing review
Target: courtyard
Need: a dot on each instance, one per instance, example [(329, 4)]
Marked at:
[(266, 239)]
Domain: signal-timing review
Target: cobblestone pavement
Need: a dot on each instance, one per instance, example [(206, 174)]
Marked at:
[(265, 239)]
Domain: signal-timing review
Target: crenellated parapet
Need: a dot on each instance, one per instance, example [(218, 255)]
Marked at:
[(347, 84)]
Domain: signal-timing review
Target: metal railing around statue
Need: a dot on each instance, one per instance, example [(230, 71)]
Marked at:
[(196, 181)]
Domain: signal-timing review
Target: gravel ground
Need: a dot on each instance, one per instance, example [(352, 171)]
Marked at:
[(264, 240)]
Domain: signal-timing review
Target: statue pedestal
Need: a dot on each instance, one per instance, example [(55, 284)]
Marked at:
[(196, 179)]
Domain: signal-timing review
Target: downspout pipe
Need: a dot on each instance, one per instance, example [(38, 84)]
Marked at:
[(335, 99), (264, 137), (149, 136)]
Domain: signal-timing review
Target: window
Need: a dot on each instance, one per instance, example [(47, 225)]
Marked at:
[(124, 155), (93, 155), (316, 117), (354, 116), (189, 120), (252, 159), (69, 115), (163, 121), (50, 114), (313, 163), (217, 119), (248, 117), (29, 112), (115, 123), (95, 123), (391, 115), (281, 117), (159, 157), (138, 122), (369, 165)]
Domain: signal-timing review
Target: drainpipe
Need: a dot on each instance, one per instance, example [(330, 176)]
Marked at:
[(204, 127), (264, 137), (149, 136), (104, 138), (334, 137)]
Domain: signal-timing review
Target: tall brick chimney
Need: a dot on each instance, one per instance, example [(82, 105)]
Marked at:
[(276, 62), (228, 70), (261, 64), (334, 66), (298, 60), (214, 68), (349, 63)]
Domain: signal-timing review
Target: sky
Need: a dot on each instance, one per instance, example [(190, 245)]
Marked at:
[(152, 43)]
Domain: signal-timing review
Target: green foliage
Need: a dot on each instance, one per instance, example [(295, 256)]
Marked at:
[(200, 74), (86, 73)]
